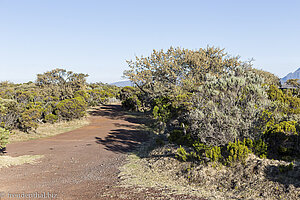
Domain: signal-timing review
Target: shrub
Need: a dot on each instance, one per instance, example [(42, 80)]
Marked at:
[(29, 118), (282, 139), (71, 108), (61, 83), (127, 92), (260, 148), (181, 154), (237, 151), (4, 135), (10, 112), (226, 108), (233, 152), (131, 103), (131, 99), (51, 118), (213, 153), (178, 137), (83, 94), (284, 100)]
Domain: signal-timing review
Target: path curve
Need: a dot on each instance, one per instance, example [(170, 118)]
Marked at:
[(80, 164)]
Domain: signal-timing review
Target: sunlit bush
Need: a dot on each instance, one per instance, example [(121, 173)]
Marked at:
[(71, 108)]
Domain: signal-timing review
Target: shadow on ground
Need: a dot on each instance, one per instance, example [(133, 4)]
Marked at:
[(116, 112), (123, 140), (284, 175), (128, 136)]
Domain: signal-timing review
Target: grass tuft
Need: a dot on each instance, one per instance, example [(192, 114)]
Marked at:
[(47, 130), (7, 161)]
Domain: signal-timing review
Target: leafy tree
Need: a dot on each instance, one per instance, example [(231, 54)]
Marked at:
[(176, 70), (62, 83)]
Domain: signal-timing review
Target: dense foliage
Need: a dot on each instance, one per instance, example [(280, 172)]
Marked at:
[(56, 95), (4, 134), (210, 101)]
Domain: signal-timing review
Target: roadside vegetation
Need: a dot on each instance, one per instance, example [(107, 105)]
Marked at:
[(219, 121), (57, 97)]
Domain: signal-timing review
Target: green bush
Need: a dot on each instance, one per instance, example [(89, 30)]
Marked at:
[(71, 108), (178, 137), (24, 106), (282, 139), (83, 94), (127, 92), (51, 118), (181, 154), (213, 153), (260, 148), (96, 97), (227, 107), (130, 98), (29, 118), (4, 135), (10, 112), (131, 103), (286, 103), (237, 151), (230, 154)]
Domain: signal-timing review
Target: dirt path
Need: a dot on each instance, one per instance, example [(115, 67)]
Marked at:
[(81, 164)]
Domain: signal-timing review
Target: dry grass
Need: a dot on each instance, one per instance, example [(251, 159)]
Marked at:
[(138, 173), (47, 130), (257, 179), (7, 161)]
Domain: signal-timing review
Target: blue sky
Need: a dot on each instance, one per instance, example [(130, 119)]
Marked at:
[(96, 37)]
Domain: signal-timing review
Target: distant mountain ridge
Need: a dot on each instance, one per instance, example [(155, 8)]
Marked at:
[(122, 83), (292, 75)]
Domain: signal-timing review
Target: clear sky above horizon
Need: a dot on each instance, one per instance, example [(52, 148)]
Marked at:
[(97, 37)]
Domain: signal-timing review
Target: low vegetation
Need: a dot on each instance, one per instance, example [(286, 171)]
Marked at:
[(7, 161), (56, 97), (47, 130), (219, 111)]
